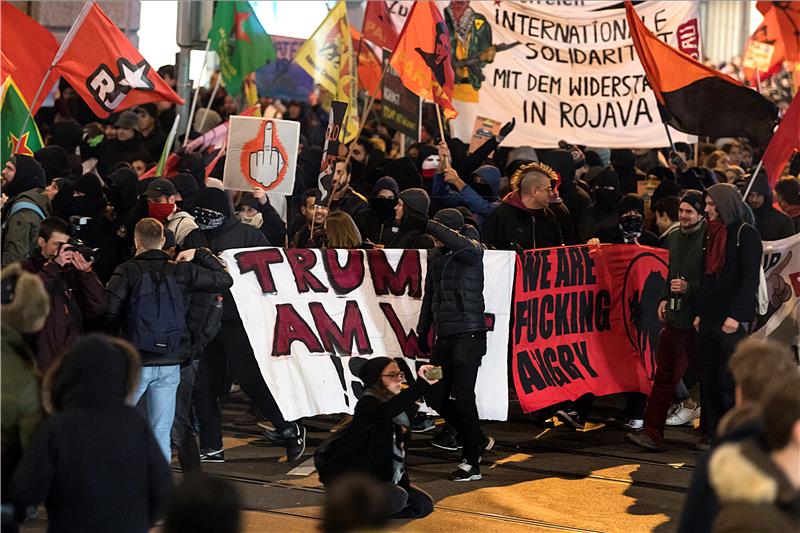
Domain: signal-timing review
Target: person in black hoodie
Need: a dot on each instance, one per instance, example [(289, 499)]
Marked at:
[(772, 224), (27, 203), (377, 223), (127, 143), (577, 201), (94, 462), (728, 296), (523, 220), (219, 230), (123, 195), (376, 441), (630, 225), (787, 193), (411, 214), (606, 201), (624, 163), (254, 208)]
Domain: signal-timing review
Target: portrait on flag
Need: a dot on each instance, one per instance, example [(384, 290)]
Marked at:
[(262, 153), (567, 74)]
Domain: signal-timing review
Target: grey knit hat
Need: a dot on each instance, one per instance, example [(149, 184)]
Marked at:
[(416, 200), (128, 120)]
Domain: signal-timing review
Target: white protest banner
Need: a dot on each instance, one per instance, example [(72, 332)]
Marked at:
[(565, 70), (314, 316), (262, 153), (781, 265)]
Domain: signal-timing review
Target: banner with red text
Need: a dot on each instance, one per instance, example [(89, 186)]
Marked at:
[(313, 317), (585, 321)]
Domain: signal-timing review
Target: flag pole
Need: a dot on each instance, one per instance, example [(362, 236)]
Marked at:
[(196, 95), (210, 101), (441, 133), (669, 137), (60, 52), (365, 115), (752, 179)]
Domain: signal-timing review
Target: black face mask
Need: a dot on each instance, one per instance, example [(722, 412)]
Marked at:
[(384, 207), (483, 189), (606, 198), (631, 226)]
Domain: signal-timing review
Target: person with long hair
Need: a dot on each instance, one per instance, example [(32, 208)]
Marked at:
[(342, 231)]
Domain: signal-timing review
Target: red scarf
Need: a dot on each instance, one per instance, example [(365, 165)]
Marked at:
[(716, 238)]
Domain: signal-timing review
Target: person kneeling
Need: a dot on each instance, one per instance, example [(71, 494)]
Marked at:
[(376, 440)]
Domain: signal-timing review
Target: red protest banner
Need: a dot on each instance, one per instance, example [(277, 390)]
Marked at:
[(585, 321)]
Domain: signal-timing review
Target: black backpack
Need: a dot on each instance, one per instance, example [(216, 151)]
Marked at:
[(156, 317)]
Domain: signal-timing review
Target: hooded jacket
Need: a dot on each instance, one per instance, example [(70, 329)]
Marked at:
[(479, 198), (22, 228), (94, 463), (204, 275), (453, 298), (377, 223), (512, 226), (577, 201), (772, 224), (732, 293), (754, 494)]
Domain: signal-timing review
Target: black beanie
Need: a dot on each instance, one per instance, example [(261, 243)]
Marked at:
[(452, 218), (370, 372), (695, 199), (89, 184), (214, 199), (416, 200), (29, 175), (55, 162), (631, 202), (388, 183)]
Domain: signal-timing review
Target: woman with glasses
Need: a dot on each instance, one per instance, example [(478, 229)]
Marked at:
[(375, 442)]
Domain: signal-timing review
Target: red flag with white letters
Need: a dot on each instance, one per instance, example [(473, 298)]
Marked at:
[(104, 67)]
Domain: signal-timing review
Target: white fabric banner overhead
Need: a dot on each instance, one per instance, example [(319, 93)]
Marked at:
[(781, 322), (314, 316), (565, 70)]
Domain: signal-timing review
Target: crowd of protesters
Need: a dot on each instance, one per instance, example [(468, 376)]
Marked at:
[(113, 291)]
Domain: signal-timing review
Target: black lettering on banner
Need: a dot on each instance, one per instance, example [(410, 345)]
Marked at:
[(554, 366)]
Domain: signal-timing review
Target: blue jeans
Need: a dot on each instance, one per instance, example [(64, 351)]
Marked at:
[(161, 385)]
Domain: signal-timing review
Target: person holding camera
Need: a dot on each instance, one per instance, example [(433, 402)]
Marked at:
[(76, 293), (453, 301)]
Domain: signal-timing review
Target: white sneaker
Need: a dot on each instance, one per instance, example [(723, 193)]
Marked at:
[(683, 416), (634, 424)]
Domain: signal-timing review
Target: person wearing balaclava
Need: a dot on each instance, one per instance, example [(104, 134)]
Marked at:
[(453, 306), (728, 296), (162, 205), (254, 208), (577, 201), (55, 162), (772, 225), (377, 223), (624, 163), (123, 196), (606, 201), (411, 215), (427, 164), (630, 224), (27, 205), (218, 230)]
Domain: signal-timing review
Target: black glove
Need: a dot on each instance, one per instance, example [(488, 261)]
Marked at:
[(422, 343), (506, 129)]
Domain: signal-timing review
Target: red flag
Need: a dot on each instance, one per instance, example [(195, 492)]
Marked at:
[(31, 48), (104, 67), (369, 66), (6, 67), (378, 27), (694, 98), (422, 56), (784, 142)]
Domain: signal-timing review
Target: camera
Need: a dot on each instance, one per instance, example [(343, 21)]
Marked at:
[(76, 245)]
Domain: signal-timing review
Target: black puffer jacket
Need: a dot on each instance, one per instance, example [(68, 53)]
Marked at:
[(205, 275), (453, 297)]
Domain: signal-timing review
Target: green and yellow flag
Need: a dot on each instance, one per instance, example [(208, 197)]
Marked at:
[(328, 58), (13, 114), (241, 42)]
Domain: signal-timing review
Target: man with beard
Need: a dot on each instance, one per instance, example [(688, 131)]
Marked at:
[(677, 346), (771, 223), (27, 205)]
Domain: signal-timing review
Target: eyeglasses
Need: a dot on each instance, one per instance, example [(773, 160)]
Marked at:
[(394, 375)]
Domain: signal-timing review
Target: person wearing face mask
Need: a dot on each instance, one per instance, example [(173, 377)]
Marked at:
[(630, 225), (377, 223), (411, 215), (161, 205), (27, 205), (254, 209), (428, 161), (75, 290), (605, 189), (449, 190), (578, 203)]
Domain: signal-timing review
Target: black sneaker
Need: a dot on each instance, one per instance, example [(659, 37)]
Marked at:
[(296, 443), (422, 424), (466, 472), (644, 441), (272, 435), (447, 439), (212, 456), (571, 418)]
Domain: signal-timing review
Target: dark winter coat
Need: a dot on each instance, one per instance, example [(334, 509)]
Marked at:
[(21, 229), (351, 203), (94, 463), (512, 226), (577, 201), (754, 494), (772, 225), (74, 295), (232, 234), (453, 298), (411, 234), (205, 275), (375, 228)]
